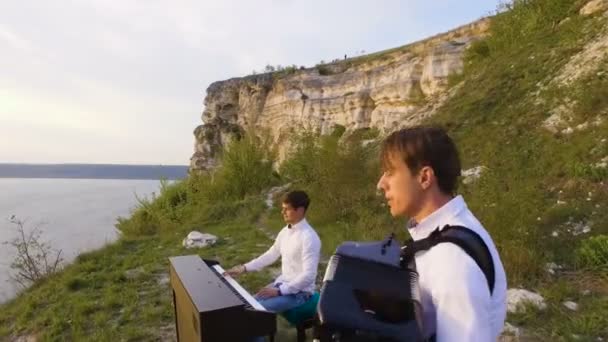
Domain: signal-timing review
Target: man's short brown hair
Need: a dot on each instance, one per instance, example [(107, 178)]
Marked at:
[(425, 146), (297, 199)]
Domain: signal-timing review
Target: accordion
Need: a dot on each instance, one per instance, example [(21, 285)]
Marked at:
[(368, 296)]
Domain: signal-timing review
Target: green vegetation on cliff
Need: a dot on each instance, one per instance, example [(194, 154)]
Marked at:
[(531, 107)]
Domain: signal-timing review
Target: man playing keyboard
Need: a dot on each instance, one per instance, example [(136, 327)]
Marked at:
[(299, 247)]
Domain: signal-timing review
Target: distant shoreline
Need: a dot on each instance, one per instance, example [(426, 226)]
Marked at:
[(93, 171)]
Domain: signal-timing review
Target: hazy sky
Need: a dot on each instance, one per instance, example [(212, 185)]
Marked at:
[(97, 81)]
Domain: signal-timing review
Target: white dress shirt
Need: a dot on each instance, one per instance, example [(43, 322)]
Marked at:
[(299, 248), (456, 300)]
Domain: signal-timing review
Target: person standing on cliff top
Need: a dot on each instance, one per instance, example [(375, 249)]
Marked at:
[(421, 169)]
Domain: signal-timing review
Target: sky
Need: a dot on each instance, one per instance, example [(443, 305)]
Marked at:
[(123, 81)]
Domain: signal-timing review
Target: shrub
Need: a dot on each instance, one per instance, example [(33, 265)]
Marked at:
[(593, 253), (35, 259), (340, 176), (324, 69), (245, 170), (519, 18), (364, 134), (338, 131), (590, 172)]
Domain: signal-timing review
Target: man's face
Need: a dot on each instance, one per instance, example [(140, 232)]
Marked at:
[(401, 188), (291, 215)]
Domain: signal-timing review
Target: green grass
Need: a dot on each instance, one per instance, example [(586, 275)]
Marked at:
[(538, 183), (537, 186), (118, 291)]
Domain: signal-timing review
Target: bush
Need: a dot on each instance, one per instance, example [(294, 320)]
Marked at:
[(324, 69), (338, 131), (156, 213), (340, 176), (34, 259), (519, 18), (365, 134), (593, 253), (245, 170), (590, 172)]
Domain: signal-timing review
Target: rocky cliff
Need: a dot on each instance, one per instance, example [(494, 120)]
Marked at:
[(384, 90)]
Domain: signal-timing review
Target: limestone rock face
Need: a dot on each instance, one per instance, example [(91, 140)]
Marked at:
[(594, 6), (386, 90)]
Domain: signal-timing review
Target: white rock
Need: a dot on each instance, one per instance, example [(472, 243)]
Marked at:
[(272, 192), (555, 233), (571, 305), (568, 130), (472, 174), (555, 120), (198, 239), (578, 228), (163, 279), (551, 267), (517, 297), (567, 19), (511, 330), (364, 143), (593, 7)]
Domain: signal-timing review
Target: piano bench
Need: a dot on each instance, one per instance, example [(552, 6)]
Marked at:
[(303, 317), (305, 325)]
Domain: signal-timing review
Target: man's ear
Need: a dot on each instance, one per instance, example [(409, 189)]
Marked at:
[(426, 177)]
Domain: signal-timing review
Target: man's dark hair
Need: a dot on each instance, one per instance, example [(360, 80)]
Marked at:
[(297, 199), (425, 146)]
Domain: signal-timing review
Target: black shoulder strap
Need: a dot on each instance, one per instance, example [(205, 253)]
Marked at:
[(464, 238)]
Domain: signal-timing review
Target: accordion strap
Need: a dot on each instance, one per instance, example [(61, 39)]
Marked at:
[(461, 236)]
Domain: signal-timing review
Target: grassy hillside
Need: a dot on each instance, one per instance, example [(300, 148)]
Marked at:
[(540, 188)]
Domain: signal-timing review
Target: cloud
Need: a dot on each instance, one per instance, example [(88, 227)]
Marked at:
[(134, 73)]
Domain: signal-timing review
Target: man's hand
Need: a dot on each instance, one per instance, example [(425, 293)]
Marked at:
[(236, 270), (268, 292)]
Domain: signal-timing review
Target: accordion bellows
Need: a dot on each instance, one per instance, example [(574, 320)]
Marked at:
[(365, 292)]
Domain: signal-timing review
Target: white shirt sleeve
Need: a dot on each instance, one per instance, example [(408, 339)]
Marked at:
[(269, 257), (462, 302), (311, 250)]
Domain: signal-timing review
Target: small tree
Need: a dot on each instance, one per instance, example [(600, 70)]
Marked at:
[(35, 259)]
